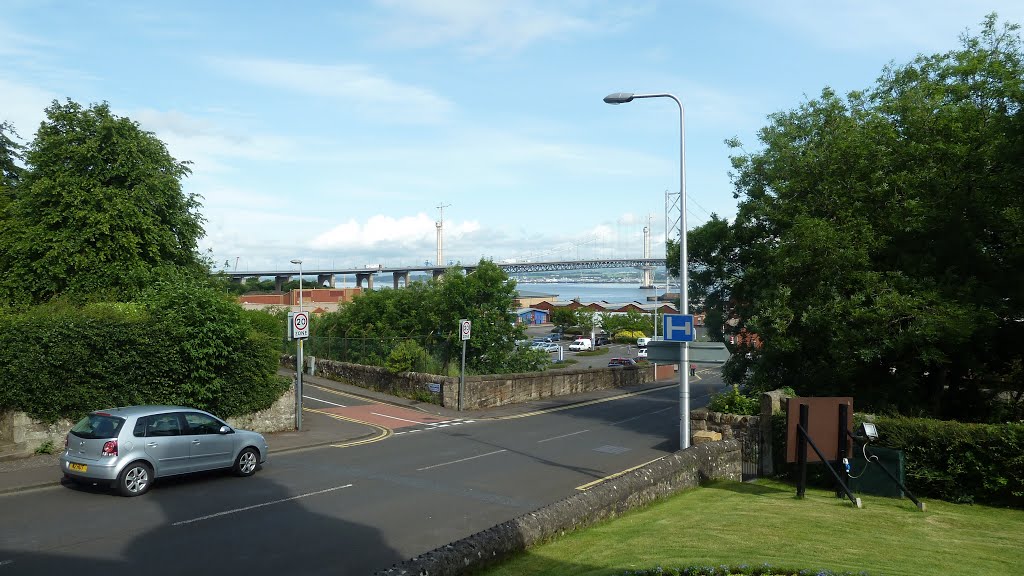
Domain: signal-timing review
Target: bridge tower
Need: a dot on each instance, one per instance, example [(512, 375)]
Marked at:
[(440, 235), (647, 280)]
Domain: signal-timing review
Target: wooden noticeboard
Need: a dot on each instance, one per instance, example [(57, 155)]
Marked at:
[(822, 426)]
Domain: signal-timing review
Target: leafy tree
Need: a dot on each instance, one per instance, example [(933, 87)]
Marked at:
[(713, 270), (430, 311), (98, 210), (11, 153), (631, 321), (587, 320), (563, 317), (880, 237)]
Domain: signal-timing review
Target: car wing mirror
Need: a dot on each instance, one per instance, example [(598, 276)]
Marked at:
[(225, 429)]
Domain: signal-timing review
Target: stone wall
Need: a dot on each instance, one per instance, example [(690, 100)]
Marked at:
[(674, 473), (480, 392), (278, 418), (499, 390), (728, 425), (22, 434)]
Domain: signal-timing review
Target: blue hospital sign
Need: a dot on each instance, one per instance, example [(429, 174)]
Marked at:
[(679, 327)]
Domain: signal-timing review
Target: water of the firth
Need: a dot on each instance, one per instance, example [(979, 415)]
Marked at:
[(593, 292)]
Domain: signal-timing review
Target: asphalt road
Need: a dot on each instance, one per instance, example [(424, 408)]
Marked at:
[(347, 509)]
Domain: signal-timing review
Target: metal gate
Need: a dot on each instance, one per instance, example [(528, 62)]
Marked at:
[(750, 454)]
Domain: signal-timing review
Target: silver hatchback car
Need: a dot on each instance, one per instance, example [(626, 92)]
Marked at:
[(130, 447)]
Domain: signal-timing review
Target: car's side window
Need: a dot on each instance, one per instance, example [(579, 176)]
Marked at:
[(140, 428), (202, 424), (163, 425)]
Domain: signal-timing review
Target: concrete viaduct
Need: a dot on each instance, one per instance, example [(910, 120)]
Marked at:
[(400, 274)]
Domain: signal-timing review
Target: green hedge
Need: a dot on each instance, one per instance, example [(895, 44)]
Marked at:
[(951, 461), (181, 344), (959, 462)]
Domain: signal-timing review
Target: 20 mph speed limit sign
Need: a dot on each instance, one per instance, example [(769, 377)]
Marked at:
[(300, 325), (464, 326)]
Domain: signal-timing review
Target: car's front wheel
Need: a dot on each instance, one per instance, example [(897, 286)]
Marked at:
[(246, 462), (135, 479)]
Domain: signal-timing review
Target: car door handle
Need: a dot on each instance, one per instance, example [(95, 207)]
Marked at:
[(196, 441), (151, 444)]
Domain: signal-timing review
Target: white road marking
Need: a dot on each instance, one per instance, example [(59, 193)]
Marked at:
[(6, 562), (642, 415), (397, 418), (325, 401), (562, 436), (462, 460), (236, 510)]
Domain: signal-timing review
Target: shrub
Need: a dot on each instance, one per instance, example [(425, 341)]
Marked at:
[(947, 460), (407, 356), (959, 462), (734, 402), (183, 343), (629, 337)]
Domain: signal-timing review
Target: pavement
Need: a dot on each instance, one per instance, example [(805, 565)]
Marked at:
[(42, 470)]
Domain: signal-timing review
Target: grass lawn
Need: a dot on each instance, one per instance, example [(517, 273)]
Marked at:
[(754, 523)]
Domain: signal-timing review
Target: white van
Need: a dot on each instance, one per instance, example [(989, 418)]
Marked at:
[(642, 342), (581, 344)]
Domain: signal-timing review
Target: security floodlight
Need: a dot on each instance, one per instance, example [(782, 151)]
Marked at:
[(869, 431), (619, 98)]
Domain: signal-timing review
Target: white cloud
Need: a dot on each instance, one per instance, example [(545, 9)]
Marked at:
[(24, 106), (493, 26), (209, 144), (412, 232), (920, 25), (358, 86)]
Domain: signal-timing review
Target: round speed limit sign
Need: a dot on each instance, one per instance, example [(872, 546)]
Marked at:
[(464, 327), (300, 325)]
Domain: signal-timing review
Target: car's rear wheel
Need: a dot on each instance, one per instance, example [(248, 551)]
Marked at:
[(246, 462), (135, 479)]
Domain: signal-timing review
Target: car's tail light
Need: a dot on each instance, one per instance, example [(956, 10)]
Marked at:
[(109, 448)]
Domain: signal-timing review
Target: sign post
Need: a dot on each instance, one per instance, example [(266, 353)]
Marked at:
[(298, 328), (464, 329), (679, 328)]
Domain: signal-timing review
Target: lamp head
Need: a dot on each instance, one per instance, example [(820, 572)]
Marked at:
[(869, 432), (296, 261), (619, 98)]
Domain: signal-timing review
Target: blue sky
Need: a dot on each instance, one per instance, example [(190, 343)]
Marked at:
[(332, 131)]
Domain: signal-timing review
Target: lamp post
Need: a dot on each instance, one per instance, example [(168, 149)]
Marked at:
[(684, 370), (299, 361)]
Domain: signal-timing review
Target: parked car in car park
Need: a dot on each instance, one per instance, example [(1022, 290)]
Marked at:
[(641, 353), (581, 344), (641, 342), (627, 362), (545, 346), (130, 447), (602, 340)]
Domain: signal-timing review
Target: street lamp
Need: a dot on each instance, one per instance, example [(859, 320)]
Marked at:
[(684, 370), (299, 262), (299, 361)]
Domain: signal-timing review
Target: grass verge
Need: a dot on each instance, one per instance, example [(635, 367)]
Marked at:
[(755, 523)]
